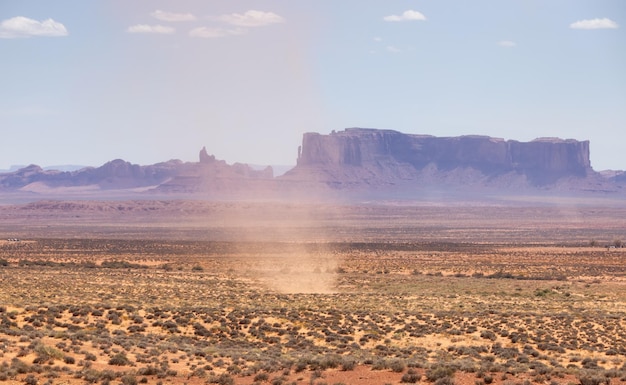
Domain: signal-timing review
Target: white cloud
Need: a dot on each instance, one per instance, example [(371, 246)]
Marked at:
[(392, 49), (506, 43), (378, 39), (252, 18), (209, 33), (145, 28), (171, 16), (594, 24), (409, 15), (20, 26)]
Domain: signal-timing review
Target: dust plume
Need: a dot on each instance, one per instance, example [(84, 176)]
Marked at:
[(291, 253), (301, 273)]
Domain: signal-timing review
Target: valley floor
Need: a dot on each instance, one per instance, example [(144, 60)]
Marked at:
[(246, 293)]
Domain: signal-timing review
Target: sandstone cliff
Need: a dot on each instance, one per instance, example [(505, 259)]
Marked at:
[(384, 156)]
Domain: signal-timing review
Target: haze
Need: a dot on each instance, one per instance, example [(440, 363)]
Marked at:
[(147, 81)]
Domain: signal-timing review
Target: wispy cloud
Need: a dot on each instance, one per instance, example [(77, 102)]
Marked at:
[(393, 49), (507, 43), (210, 33), (21, 26), (239, 22), (409, 15), (594, 24), (145, 28), (171, 16), (252, 18)]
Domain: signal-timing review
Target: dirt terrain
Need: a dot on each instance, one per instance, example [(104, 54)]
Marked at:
[(189, 292)]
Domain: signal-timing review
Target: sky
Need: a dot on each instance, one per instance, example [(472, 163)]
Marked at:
[(86, 82)]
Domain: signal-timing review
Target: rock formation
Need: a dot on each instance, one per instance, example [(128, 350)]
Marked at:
[(205, 157), (354, 163), (171, 176), (371, 154)]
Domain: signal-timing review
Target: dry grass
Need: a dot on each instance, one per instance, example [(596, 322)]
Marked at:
[(90, 309)]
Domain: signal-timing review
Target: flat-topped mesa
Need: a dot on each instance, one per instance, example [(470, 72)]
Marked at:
[(542, 160)]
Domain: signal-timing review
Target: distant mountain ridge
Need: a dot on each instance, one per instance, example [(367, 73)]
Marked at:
[(119, 175), (353, 161), (61, 167)]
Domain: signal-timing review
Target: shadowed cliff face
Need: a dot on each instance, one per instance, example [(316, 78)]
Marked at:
[(542, 161)]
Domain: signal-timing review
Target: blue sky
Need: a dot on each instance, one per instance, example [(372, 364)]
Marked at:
[(85, 82)]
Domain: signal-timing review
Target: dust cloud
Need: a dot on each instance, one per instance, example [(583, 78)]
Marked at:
[(290, 255), (300, 274)]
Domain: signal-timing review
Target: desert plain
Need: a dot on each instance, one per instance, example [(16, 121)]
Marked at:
[(194, 292)]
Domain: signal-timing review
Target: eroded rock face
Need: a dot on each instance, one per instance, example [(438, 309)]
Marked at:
[(542, 161)]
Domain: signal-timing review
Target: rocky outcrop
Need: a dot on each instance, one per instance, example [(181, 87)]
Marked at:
[(205, 158), (354, 163), (370, 154), (171, 176)]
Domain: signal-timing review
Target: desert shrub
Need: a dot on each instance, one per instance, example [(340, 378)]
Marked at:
[(348, 364), (592, 379), (438, 372), (540, 367), (315, 375), (397, 366), (233, 369), (197, 268), (19, 366), (445, 381), (129, 379), (542, 293), (410, 377), (506, 353), (261, 377), (488, 334), (45, 353), (222, 379), (380, 365), (148, 371), (466, 365), (280, 380), (30, 380), (91, 376), (108, 375), (119, 359), (199, 372), (301, 366), (330, 362)]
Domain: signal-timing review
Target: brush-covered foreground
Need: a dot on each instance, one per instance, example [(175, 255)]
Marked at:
[(364, 306)]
